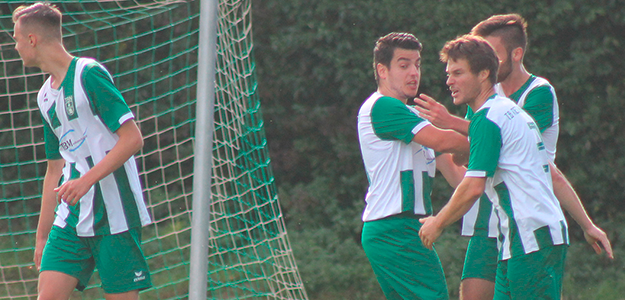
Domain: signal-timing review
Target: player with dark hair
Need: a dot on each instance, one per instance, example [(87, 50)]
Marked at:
[(398, 149)]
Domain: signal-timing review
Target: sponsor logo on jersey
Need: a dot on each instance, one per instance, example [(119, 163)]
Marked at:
[(67, 143)]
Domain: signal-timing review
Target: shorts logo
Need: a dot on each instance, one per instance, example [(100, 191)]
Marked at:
[(139, 276)]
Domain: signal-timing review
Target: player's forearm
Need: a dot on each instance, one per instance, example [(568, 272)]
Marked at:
[(460, 125), (453, 142), (129, 143), (463, 198), (569, 199), (48, 199)]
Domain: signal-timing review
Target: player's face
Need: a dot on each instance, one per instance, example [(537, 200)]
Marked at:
[(22, 44), (404, 73), (463, 84), (505, 63)]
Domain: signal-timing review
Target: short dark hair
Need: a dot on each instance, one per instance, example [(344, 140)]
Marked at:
[(511, 28), (385, 48), (42, 15), (476, 50)]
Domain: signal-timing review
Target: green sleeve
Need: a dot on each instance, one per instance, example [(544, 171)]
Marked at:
[(485, 144), (392, 120), (106, 100), (539, 105), (51, 142)]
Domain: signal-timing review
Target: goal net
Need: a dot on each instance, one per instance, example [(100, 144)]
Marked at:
[(150, 47)]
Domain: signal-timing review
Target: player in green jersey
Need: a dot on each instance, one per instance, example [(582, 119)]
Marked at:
[(399, 153), (508, 161), (94, 218)]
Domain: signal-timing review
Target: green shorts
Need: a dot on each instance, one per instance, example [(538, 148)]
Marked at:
[(481, 258), (404, 268), (537, 275), (118, 258)]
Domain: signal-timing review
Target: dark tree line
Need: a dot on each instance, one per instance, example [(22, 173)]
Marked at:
[(314, 66)]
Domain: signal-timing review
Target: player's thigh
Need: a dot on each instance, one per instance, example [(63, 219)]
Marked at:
[(120, 261), (402, 265), (481, 259), (476, 289), (53, 285), (537, 275), (131, 295), (69, 254)]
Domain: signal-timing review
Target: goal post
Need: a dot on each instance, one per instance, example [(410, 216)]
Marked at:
[(151, 49)]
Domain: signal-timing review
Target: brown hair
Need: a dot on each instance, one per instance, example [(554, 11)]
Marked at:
[(511, 28), (476, 50)]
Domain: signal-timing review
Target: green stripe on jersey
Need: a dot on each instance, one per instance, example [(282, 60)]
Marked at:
[(127, 197), (427, 192), (516, 244), (100, 216), (407, 190)]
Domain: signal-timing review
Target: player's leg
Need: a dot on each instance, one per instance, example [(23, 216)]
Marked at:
[(55, 285), (121, 265), (404, 268), (479, 271), (537, 275), (476, 289), (132, 295), (66, 264)]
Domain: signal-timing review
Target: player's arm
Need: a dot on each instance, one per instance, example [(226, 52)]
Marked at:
[(452, 172), (441, 140), (570, 201), (130, 142), (468, 191), (393, 120), (54, 172), (438, 115)]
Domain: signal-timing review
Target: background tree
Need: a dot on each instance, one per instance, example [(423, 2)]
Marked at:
[(314, 62)]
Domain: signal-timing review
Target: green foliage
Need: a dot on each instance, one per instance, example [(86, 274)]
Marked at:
[(314, 67)]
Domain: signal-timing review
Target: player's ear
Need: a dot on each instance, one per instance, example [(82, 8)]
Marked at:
[(483, 75), (517, 54), (382, 71)]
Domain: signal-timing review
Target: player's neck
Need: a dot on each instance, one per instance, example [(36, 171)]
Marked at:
[(517, 78), (488, 89), (56, 63)]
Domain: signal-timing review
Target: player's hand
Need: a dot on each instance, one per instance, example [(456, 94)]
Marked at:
[(595, 236), (71, 191), (433, 111), (429, 232), (39, 245)]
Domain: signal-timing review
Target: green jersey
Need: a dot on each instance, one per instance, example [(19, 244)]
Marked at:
[(400, 172), (80, 120), (507, 149), (538, 98)]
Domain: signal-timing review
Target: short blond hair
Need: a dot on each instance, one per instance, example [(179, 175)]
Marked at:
[(43, 17)]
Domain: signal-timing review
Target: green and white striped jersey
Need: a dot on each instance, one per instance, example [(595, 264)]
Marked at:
[(400, 172), (538, 98), (80, 120), (507, 148)]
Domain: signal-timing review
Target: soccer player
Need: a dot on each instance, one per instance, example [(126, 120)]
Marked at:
[(507, 34), (90, 139), (509, 162), (398, 149)]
